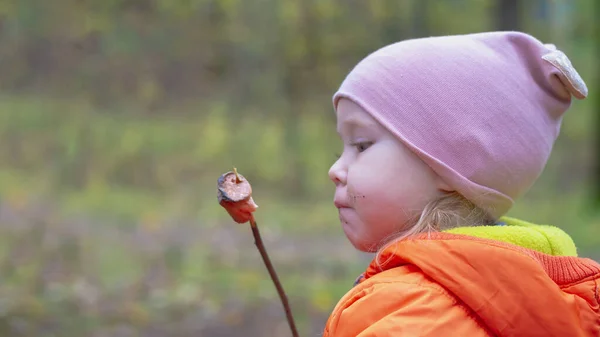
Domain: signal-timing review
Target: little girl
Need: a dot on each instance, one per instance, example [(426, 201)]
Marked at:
[(440, 136)]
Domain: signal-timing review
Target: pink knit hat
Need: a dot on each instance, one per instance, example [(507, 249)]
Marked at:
[(483, 110)]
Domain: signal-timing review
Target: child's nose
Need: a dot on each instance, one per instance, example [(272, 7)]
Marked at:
[(338, 173)]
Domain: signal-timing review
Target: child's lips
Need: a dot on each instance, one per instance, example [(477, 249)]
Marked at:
[(340, 204), (342, 207), (341, 216), (344, 213)]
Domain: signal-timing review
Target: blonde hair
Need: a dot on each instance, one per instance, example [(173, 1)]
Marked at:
[(449, 211)]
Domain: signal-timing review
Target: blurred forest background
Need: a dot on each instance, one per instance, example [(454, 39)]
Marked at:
[(117, 117)]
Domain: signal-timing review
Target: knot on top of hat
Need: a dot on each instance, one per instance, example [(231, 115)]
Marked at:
[(568, 76)]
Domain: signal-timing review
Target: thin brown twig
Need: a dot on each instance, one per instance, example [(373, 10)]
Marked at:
[(237, 177), (261, 248)]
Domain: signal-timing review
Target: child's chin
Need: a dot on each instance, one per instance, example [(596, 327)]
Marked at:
[(361, 245)]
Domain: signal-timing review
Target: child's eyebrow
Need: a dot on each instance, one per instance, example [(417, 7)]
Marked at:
[(352, 123)]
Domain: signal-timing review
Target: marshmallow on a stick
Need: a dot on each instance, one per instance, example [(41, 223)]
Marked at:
[(235, 195)]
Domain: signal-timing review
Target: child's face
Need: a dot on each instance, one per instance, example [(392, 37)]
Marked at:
[(380, 184)]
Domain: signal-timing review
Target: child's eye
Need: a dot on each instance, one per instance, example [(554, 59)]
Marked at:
[(362, 146)]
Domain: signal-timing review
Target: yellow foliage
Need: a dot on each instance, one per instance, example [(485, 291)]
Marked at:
[(233, 318), (299, 49), (214, 134), (17, 199), (136, 313), (378, 9), (322, 299), (94, 21), (149, 90), (31, 306), (179, 8), (327, 9), (8, 7), (248, 281), (150, 221), (317, 135), (187, 293), (270, 151), (229, 6), (289, 11)]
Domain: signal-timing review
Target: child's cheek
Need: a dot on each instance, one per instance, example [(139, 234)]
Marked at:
[(362, 188), (359, 197)]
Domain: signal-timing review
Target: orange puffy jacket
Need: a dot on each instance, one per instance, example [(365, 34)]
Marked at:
[(451, 284)]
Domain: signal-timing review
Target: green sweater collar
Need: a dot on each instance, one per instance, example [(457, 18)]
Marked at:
[(543, 238)]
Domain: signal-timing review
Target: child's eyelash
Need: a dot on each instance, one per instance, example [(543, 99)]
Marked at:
[(356, 144), (362, 144)]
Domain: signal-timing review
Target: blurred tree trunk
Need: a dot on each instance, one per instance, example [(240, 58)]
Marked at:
[(420, 27), (219, 58), (506, 13), (295, 70)]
